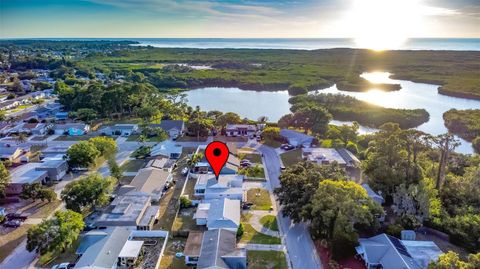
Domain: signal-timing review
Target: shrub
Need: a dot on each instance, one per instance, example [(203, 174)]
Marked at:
[(240, 230), (185, 202), (394, 230)]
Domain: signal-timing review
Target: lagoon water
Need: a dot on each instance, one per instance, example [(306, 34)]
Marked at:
[(253, 104)]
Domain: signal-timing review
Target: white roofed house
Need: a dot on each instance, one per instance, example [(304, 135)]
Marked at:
[(219, 214), (168, 149), (25, 174), (124, 129), (219, 250), (240, 130), (342, 156), (202, 167), (227, 186)]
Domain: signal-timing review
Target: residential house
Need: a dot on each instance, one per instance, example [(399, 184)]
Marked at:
[(240, 130), (219, 214), (120, 247), (61, 116), (25, 174), (162, 163), (9, 104), (54, 151), (25, 117), (168, 149), (203, 167), (297, 139), (12, 153), (385, 251), (174, 128), (72, 129), (102, 252), (56, 168), (227, 186), (219, 250), (124, 129), (151, 181), (343, 157), (29, 128), (128, 210)]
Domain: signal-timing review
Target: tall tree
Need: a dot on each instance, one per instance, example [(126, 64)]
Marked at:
[(4, 179), (227, 118), (298, 185), (56, 234), (82, 154), (312, 118), (88, 192), (106, 145), (446, 143)]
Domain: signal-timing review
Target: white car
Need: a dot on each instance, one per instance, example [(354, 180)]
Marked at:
[(64, 265)]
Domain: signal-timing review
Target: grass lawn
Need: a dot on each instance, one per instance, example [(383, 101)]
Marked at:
[(191, 139), (272, 143), (269, 222), (258, 259), (260, 199), (184, 220), (133, 165), (254, 158), (50, 258), (251, 236), (44, 210), (73, 137), (9, 241), (169, 261), (291, 157), (190, 187)]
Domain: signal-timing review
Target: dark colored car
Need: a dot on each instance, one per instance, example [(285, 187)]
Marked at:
[(16, 216), (12, 223)]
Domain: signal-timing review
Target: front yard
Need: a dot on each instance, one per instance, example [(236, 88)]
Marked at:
[(133, 165), (251, 236), (260, 199), (258, 259), (269, 222), (291, 157), (73, 137)]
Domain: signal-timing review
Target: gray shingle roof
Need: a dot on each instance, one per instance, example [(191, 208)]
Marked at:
[(219, 251)]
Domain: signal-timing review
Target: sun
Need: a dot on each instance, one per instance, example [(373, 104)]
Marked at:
[(383, 24)]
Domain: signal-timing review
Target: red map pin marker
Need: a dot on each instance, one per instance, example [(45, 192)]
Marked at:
[(217, 156)]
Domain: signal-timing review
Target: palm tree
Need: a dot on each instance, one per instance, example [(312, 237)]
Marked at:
[(262, 119), (21, 138)]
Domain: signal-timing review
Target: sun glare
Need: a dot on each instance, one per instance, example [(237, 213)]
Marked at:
[(383, 24)]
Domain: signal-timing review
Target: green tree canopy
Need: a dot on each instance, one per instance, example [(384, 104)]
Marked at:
[(4, 179), (88, 192), (451, 260), (56, 234), (106, 145), (82, 154), (298, 185), (227, 118)]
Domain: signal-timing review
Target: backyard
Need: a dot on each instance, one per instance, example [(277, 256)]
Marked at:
[(258, 259)]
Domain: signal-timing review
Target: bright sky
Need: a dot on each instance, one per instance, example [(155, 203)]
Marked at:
[(362, 19)]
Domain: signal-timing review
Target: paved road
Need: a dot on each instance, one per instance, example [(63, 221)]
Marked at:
[(300, 246)]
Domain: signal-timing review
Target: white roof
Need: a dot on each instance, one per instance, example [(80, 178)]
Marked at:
[(166, 148), (223, 213), (131, 249)]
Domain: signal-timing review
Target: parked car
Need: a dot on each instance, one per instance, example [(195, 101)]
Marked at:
[(89, 227), (64, 265), (245, 164), (287, 147), (282, 167), (12, 223), (185, 171), (16, 216)]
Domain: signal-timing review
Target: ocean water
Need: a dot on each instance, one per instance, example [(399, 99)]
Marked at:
[(463, 44)]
